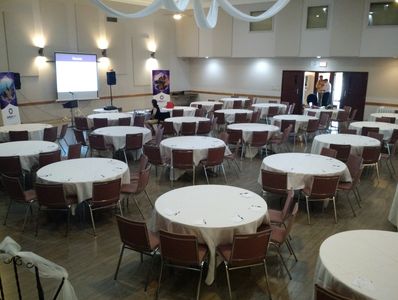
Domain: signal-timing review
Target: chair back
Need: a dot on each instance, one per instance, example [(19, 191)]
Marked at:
[(311, 113), (51, 195), (124, 121), (240, 117), (159, 134), (365, 130), (259, 138), (50, 134), (215, 156), (168, 128), (342, 116), (377, 136), (287, 207), (217, 106), (224, 136), (47, 158), (343, 151), (312, 125), (220, 118), (200, 112), (248, 104), (106, 193), (325, 294), (286, 123), (394, 137), (370, 155), (286, 133), (134, 141), (188, 128), (13, 187), (248, 249), (153, 154), (81, 123), (64, 129), (347, 131), (329, 152), (179, 249), (324, 187), (97, 142), (204, 127), (272, 101), (234, 135), (100, 122), (79, 136), (354, 165), (10, 166), (274, 182), (143, 179), (74, 151), (182, 159), (324, 118), (177, 113), (255, 116), (237, 104), (15, 136), (139, 120), (134, 234), (272, 111)]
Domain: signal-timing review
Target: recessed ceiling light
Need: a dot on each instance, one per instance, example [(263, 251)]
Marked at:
[(317, 16), (177, 17), (206, 57), (319, 56), (371, 13)]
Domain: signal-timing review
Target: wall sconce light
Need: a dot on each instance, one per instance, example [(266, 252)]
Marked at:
[(153, 54), (104, 53), (40, 51)]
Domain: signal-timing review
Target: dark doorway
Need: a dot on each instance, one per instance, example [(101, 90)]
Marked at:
[(354, 91), (292, 88)]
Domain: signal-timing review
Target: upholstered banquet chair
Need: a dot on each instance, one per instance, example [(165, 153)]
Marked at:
[(259, 140), (204, 128), (365, 130), (240, 118), (15, 136), (343, 151), (46, 158), (61, 136), (322, 293), (371, 157), (182, 159), (81, 123), (215, 158), (139, 120), (329, 152), (124, 121), (188, 128), (154, 156), (133, 143), (50, 134), (100, 122), (74, 151), (80, 139), (274, 182)]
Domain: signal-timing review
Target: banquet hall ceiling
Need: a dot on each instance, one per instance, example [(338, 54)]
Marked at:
[(147, 2)]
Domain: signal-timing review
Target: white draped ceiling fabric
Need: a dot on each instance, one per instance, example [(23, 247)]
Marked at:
[(203, 21)]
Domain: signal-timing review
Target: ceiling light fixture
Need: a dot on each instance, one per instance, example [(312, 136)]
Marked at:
[(177, 17), (201, 19)]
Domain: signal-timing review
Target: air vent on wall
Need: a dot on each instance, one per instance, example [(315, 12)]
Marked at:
[(111, 19)]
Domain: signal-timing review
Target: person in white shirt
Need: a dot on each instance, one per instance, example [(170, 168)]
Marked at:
[(326, 99)]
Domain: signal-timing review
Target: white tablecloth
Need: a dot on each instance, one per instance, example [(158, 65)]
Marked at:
[(373, 116), (357, 142), (199, 144), (384, 128), (35, 130), (393, 215), (28, 151), (187, 110), (302, 167), (229, 114), (213, 213), (319, 110), (101, 110), (263, 108), (301, 121), (229, 102), (177, 121), (249, 128), (207, 105), (116, 135), (78, 175), (113, 118), (360, 264)]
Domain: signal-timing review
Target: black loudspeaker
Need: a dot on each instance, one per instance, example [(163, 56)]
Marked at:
[(70, 104), (111, 78), (17, 81)]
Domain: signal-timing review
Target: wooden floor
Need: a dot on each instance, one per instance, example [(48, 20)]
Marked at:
[(91, 262)]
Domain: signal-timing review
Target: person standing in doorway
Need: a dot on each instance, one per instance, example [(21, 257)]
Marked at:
[(326, 99), (320, 89)]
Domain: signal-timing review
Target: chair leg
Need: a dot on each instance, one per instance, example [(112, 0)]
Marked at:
[(28, 208), (8, 211), (118, 263), (334, 208), (200, 281), (92, 220), (149, 199), (356, 197), (228, 281), (136, 203), (284, 264), (266, 280), (160, 279), (377, 171), (207, 178), (308, 210), (291, 249), (120, 207), (223, 170), (149, 272), (125, 156), (349, 202)]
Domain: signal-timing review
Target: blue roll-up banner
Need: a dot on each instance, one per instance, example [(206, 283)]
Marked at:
[(161, 86), (8, 99)]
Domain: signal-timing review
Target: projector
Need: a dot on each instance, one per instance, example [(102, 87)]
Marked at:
[(110, 107)]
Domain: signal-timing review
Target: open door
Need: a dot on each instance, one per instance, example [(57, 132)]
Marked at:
[(292, 88), (354, 91)]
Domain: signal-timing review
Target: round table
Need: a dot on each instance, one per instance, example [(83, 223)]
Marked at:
[(199, 144), (229, 114), (384, 128), (177, 122), (113, 118), (229, 102), (196, 210), (318, 111), (187, 110), (301, 121), (393, 214), (359, 264), (302, 167), (357, 142), (78, 175), (101, 110), (35, 130), (373, 116), (207, 105), (263, 108), (116, 135), (28, 151), (249, 128)]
